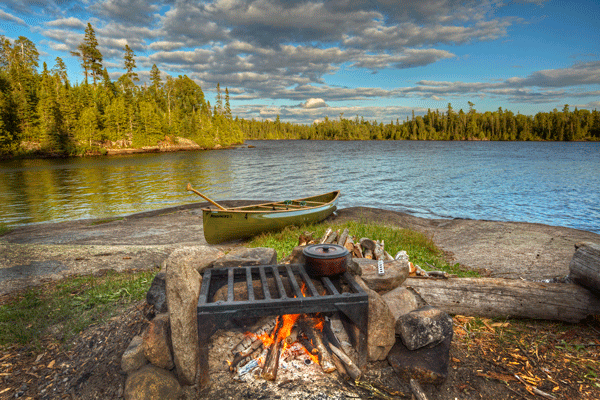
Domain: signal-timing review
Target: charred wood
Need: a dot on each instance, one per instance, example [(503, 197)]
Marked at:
[(271, 366), (307, 325)]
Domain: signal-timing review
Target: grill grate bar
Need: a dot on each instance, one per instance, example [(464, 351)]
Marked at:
[(265, 285), (308, 282), (249, 284), (280, 288), (230, 285), (327, 283), (294, 282)]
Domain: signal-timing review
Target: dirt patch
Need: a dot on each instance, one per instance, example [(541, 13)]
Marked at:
[(558, 359)]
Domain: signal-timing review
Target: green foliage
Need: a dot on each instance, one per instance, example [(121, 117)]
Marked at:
[(436, 125), (420, 249), (69, 306), (42, 110)]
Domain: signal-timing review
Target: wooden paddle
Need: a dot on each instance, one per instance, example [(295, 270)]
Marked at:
[(191, 189)]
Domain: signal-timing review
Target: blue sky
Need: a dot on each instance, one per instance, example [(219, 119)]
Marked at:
[(304, 60)]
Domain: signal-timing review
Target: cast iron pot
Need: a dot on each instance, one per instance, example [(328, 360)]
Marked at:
[(325, 259)]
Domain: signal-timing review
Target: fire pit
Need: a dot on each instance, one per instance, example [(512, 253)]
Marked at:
[(277, 290)]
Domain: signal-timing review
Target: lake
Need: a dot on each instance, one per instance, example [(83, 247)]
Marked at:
[(554, 183)]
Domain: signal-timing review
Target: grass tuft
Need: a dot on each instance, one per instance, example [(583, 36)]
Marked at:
[(421, 249), (64, 309)]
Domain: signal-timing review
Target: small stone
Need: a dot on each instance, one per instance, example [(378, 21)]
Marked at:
[(156, 295), (395, 274), (426, 326), (242, 257), (133, 358), (198, 257), (427, 364), (403, 300), (157, 342), (151, 383)]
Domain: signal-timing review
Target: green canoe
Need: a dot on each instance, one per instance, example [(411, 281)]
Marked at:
[(221, 225)]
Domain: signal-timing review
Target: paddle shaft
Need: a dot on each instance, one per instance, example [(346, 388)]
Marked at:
[(191, 189)]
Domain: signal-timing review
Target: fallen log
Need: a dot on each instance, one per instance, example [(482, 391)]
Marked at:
[(494, 297), (584, 268)]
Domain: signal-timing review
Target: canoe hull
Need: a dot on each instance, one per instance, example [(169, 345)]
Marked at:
[(243, 222)]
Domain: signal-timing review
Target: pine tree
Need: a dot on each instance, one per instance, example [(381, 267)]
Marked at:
[(91, 58)]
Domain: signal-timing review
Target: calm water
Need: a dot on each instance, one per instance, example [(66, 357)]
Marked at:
[(550, 183)]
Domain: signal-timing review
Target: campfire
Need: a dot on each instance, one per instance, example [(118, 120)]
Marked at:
[(302, 322), (294, 342), (308, 329)]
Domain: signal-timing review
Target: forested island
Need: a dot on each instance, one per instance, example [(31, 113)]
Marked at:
[(43, 114)]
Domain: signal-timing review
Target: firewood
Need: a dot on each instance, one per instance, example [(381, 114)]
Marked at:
[(325, 235), (341, 336), (271, 366), (343, 237), (293, 336), (367, 244), (239, 361), (339, 366), (357, 251), (417, 390), (308, 326), (331, 238), (308, 345), (368, 254), (251, 342), (352, 369), (349, 244), (387, 256), (496, 297), (305, 238)]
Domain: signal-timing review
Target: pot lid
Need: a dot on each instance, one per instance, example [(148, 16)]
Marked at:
[(325, 251)]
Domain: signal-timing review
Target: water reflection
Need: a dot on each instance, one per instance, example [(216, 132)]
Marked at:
[(552, 183)]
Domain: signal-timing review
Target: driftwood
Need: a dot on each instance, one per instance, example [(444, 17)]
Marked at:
[(492, 297), (585, 266)]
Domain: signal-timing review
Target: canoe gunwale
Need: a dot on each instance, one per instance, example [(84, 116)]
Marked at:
[(248, 208)]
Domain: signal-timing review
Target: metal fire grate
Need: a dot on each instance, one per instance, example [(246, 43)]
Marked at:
[(276, 290)]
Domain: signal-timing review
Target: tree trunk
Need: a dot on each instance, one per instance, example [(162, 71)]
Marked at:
[(492, 297), (585, 266)]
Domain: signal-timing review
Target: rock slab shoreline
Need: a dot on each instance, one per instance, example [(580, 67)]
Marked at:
[(33, 254)]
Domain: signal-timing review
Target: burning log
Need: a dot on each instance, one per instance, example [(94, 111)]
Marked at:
[(252, 341), (271, 366), (308, 345), (307, 325), (293, 336)]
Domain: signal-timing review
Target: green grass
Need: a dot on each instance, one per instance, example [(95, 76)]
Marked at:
[(421, 249), (4, 229), (65, 308)]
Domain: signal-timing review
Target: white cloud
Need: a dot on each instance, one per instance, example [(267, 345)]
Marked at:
[(9, 17), (314, 103)]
